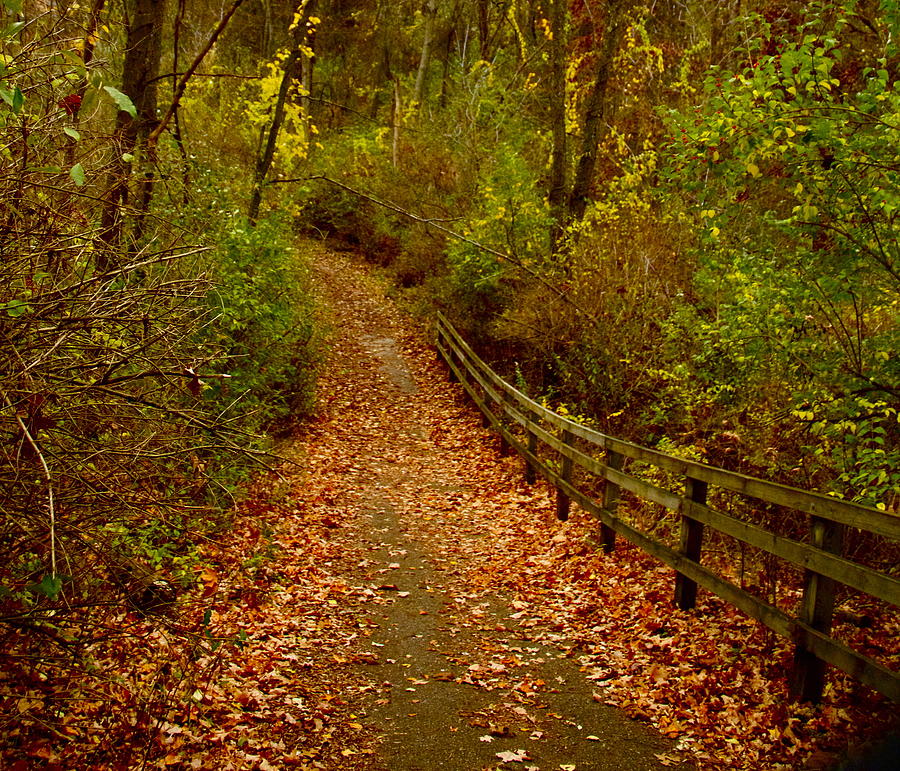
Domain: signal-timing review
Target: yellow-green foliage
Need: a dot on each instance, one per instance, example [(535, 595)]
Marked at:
[(258, 103), (227, 118)]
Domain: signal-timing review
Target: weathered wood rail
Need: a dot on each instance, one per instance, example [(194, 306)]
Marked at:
[(528, 427)]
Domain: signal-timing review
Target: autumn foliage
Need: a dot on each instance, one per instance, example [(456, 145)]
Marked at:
[(674, 222)]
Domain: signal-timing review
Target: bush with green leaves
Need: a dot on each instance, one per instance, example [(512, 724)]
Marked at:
[(263, 324), (791, 166), (118, 437)]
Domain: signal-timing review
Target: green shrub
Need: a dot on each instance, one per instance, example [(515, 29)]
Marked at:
[(263, 322)]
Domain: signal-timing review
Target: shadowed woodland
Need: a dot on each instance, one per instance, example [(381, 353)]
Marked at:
[(673, 222)]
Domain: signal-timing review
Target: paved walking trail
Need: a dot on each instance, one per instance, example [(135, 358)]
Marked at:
[(457, 674)]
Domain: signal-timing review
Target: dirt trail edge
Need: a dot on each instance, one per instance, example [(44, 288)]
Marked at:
[(439, 534)]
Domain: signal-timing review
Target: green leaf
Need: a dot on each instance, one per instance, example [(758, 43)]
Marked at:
[(123, 102), (49, 586), (13, 6), (77, 174), (14, 98), (12, 30), (16, 308), (69, 131)]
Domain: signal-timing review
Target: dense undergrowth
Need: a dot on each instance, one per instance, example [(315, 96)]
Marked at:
[(146, 354), (731, 291)]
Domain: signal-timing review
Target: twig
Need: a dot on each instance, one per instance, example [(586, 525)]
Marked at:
[(182, 84), (34, 446), (230, 75), (340, 106), (437, 224)]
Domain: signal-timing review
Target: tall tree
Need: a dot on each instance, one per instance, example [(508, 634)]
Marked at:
[(143, 49), (556, 196), (597, 108), (301, 30), (429, 11)]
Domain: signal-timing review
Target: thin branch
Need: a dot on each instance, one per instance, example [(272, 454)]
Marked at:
[(437, 224), (182, 84), (343, 107), (230, 75), (37, 450)]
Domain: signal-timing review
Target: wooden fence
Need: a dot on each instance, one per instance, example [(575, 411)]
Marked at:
[(532, 430)]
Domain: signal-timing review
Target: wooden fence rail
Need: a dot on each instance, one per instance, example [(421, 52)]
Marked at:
[(532, 429)]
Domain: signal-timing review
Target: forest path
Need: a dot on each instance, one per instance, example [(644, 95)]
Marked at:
[(439, 535)]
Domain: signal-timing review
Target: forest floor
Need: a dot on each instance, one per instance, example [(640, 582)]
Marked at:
[(421, 607), (399, 598)]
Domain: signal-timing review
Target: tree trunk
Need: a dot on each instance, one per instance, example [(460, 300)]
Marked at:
[(291, 65), (307, 63), (89, 43), (73, 101), (484, 30), (596, 110), (448, 54), (268, 32), (307, 72), (430, 12), (395, 125), (142, 54), (556, 195)]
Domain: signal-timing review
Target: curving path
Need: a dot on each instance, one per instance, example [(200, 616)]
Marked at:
[(456, 672)]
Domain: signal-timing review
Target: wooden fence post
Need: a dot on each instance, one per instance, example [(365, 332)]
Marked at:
[(505, 448), (443, 337), (451, 375), (563, 502), (816, 609), (530, 475), (691, 542), (614, 460), (438, 339)]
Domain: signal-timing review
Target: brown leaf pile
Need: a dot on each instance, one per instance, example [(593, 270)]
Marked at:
[(259, 665)]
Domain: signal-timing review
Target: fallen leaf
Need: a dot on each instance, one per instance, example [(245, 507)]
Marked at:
[(516, 756)]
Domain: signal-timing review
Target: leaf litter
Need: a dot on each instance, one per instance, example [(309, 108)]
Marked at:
[(263, 664)]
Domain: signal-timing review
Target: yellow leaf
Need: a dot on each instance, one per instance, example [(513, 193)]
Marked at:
[(753, 170)]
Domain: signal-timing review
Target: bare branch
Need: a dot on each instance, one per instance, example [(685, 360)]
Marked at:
[(437, 223), (51, 506)]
